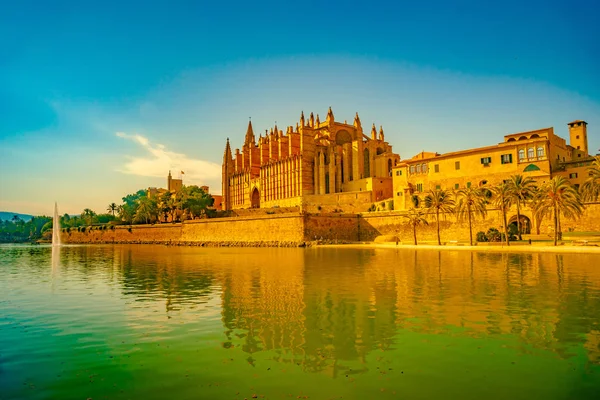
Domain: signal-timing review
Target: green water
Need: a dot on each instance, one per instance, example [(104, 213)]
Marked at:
[(156, 322)]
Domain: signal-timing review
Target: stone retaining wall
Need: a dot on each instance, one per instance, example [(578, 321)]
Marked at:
[(296, 229)]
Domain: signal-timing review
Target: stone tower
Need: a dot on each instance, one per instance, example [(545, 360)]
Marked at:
[(578, 136)]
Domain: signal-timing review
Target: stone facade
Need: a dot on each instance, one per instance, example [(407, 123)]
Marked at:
[(538, 154), (296, 228), (313, 158)]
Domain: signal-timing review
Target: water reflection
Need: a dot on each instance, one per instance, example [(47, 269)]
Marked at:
[(324, 309)]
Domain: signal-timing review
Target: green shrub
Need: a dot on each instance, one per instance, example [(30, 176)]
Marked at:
[(480, 237), (512, 232), (493, 235)]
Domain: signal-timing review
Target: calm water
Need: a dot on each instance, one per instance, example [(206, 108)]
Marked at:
[(154, 322)]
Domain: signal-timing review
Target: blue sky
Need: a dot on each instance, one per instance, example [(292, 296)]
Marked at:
[(99, 100)]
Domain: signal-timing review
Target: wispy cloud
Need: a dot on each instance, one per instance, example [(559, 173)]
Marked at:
[(159, 160)]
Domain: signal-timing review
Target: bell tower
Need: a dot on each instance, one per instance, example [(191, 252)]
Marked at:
[(578, 135)]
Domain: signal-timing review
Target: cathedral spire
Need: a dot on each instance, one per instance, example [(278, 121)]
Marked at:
[(357, 123), (312, 120), (381, 136), (318, 121), (226, 154), (329, 116), (249, 135), (302, 119), (374, 132)]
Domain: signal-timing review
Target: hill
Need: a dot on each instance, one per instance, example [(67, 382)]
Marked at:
[(6, 215)]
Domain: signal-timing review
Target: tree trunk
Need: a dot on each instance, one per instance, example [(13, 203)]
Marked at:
[(519, 221), (505, 226), (555, 225), (415, 234), (437, 218), (470, 226), (559, 227)]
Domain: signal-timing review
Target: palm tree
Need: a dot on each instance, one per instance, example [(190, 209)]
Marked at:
[(112, 208), (538, 212), (520, 189), (415, 218), (471, 201), (439, 201), (590, 189), (88, 215), (502, 200), (146, 210), (559, 196)]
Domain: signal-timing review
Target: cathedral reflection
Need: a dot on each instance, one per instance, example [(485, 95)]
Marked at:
[(327, 309)]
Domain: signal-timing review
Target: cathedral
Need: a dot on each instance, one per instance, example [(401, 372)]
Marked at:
[(308, 161)]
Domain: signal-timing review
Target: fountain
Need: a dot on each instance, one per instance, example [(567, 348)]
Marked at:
[(56, 227)]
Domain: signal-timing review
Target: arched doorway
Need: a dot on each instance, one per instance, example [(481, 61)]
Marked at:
[(255, 199), (525, 223)]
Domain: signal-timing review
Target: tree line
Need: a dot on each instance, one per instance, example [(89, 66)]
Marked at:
[(143, 207), (17, 230), (556, 199), (137, 208)]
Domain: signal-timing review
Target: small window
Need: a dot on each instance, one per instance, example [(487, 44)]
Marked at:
[(457, 165), (521, 154), (573, 175), (486, 160), (424, 168), (578, 147), (436, 168), (468, 184), (506, 158), (540, 152), (419, 187), (579, 155), (399, 172), (412, 169), (456, 186), (397, 193), (437, 187), (530, 152), (418, 168), (577, 137)]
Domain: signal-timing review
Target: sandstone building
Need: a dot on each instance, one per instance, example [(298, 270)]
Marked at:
[(306, 164), (539, 154)]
